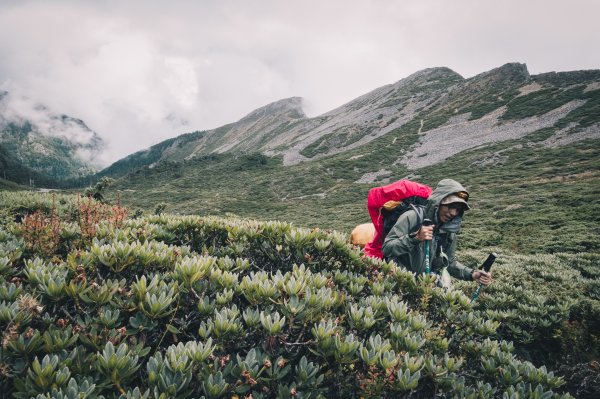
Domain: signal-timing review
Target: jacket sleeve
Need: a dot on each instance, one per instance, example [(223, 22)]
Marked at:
[(455, 268), (399, 240)]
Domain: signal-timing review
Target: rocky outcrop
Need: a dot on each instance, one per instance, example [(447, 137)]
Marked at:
[(439, 144)]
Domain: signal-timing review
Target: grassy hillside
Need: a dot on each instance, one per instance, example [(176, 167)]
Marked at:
[(530, 195), (11, 186), (146, 157), (526, 197)]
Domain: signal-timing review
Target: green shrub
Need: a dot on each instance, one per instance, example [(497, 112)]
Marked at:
[(167, 306)]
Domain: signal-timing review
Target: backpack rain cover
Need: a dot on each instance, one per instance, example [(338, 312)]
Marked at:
[(380, 196)]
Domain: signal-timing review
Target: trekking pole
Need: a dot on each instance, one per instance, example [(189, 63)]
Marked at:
[(487, 265), (427, 222)]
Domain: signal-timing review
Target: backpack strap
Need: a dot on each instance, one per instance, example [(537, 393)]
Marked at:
[(390, 217), (420, 213)]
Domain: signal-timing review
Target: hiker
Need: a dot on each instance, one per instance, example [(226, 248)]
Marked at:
[(405, 243)]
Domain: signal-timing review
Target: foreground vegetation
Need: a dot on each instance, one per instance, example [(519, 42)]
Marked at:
[(95, 304)]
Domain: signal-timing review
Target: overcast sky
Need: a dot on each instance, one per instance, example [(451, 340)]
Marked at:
[(141, 71)]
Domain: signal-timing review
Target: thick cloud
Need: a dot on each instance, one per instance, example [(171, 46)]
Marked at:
[(41, 120), (138, 72)]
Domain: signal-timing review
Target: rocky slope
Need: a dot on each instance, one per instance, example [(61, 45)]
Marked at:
[(451, 114)]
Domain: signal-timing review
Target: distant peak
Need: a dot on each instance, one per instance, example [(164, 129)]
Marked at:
[(287, 106), (434, 72), (511, 71), (431, 74)]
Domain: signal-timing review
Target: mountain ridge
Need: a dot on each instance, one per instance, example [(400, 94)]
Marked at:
[(428, 98), (416, 112)]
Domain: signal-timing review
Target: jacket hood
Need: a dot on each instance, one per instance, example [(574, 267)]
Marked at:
[(444, 188)]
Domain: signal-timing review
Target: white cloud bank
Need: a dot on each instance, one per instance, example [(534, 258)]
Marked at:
[(138, 72)]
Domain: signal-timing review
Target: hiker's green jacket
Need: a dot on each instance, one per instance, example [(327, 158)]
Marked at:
[(401, 245)]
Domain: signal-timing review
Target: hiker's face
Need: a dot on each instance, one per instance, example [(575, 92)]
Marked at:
[(448, 212)]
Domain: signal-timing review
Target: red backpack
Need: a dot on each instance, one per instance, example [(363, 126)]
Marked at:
[(387, 203)]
